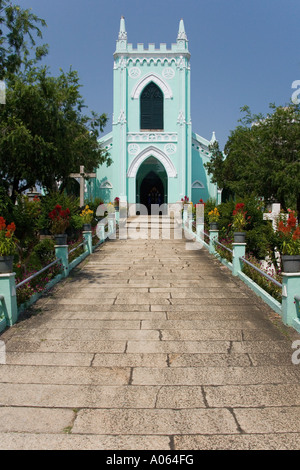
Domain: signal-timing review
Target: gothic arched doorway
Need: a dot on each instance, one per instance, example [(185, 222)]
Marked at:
[(151, 183)]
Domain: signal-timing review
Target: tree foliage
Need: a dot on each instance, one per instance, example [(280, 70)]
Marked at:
[(44, 134), (262, 157), (19, 30)]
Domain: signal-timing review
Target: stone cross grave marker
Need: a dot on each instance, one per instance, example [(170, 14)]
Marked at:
[(82, 175), (273, 215)]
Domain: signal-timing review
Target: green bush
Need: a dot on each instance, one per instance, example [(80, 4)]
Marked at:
[(44, 251)]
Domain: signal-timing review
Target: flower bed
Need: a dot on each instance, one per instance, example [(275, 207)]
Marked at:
[(36, 285), (222, 251), (72, 245), (262, 281)]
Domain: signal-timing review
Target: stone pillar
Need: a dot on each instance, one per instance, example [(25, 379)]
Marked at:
[(184, 216), (200, 227), (87, 236), (213, 236), (8, 305), (239, 250), (111, 225), (101, 232), (61, 252), (290, 289), (200, 221)]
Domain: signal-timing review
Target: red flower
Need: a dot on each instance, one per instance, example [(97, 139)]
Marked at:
[(2, 223), (292, 220), (296, 234), (11, 227)]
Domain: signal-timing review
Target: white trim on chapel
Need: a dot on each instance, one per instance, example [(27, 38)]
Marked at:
[(152, 77), (152, 151)]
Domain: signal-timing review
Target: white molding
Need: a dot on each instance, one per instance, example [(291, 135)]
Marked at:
[(152, 137), (152, 151), (197, 185), (106, 185), (152, 77)]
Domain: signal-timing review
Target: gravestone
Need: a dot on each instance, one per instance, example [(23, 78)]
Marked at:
[(273, 215)]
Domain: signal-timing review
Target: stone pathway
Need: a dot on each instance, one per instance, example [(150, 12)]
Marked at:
[(149, 345)]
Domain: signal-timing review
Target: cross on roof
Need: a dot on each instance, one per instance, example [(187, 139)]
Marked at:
[(82, 175)]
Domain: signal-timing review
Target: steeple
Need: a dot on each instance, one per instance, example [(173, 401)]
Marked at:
[(122, 32), (213, 138), (182, 41), (122, 38), (181, 31)]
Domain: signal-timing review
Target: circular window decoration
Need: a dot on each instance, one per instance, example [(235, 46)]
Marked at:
[(170, 149), (168, 73), (134, 72), (133, 149)]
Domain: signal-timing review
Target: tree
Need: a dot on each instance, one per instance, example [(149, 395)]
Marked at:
[(262, 157), (43, 133), (18, 27)]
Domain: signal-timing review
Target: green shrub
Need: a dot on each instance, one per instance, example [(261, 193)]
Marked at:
[(44, 251)]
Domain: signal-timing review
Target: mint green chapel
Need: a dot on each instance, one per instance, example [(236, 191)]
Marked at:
[(155, 154)]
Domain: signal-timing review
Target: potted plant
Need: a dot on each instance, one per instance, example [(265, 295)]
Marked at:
[(7, 246), (60, 221), (239, 223), (87, 216), (288, 235), (213, 217)]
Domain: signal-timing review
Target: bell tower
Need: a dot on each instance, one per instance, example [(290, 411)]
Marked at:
[(151, 116)]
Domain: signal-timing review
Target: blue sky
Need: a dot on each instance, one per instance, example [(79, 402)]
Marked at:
[(243, 52)]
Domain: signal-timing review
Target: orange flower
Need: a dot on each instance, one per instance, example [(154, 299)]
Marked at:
[(283, 228), (296, 234), (292, 219), (11, 227)]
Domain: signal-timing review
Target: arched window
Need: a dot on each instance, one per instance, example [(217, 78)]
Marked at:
[(152, 108)]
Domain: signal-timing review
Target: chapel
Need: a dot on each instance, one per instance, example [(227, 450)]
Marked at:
[(157, 158)]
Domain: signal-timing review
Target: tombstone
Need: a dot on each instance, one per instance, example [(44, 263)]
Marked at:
[(32, 193), (273, 215)]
